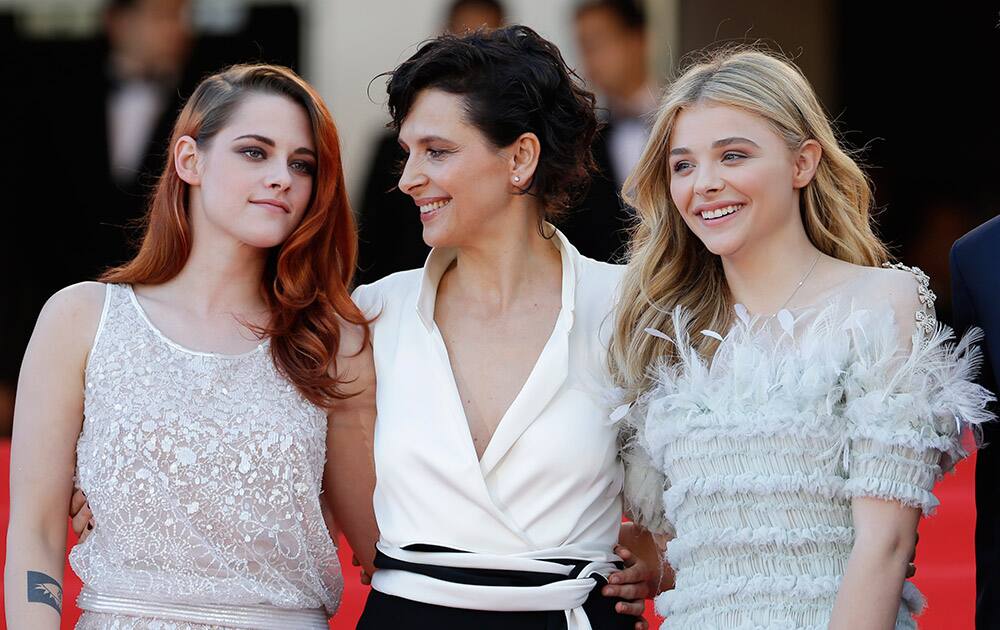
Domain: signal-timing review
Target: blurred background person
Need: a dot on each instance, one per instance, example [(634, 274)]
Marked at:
[(142, 74), (611, 37), (468, 15), (93, 111), (107, 108), (389, 230)]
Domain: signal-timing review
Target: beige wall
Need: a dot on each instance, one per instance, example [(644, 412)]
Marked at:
[(805, 31)]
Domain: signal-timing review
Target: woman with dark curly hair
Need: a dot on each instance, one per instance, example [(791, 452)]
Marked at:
[(499, 482)]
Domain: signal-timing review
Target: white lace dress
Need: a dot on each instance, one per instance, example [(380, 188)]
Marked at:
[(204, 473), (751, 460)]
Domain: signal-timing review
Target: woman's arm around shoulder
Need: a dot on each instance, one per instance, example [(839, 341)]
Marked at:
[(47, 420), (349, 478)]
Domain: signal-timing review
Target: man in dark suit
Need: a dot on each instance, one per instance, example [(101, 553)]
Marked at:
[(144, 74), (611, 36), (975, 278), (90, 120)]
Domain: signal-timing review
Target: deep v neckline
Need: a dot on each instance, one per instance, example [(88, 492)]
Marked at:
[(456, 392), (545, 378)]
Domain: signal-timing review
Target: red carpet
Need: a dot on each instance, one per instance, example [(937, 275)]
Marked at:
[(945, 558)]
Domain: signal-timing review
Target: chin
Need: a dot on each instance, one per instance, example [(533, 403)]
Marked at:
[(264, 239), (723, 247), (434, 236)]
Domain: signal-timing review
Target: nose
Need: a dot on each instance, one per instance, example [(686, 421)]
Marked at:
[(279, 177), (412, 176), (708, 180)]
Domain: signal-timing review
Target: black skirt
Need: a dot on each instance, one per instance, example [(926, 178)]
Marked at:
[(389, 612)]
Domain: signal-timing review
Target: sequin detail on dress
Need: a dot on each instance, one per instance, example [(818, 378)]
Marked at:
[(203, 472)]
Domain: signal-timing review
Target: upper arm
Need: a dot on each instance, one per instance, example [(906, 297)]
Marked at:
[(908, 392), (49, 407), (349, 475)]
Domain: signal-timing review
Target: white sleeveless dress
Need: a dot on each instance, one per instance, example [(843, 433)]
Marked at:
[(204, 473)]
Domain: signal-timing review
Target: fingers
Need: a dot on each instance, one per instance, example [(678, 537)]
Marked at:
[(639, 590), (642, 624), (634, 608), (83, 522), (77, 501), (632, 583), (625, 554), (365, 578), (355, 562)]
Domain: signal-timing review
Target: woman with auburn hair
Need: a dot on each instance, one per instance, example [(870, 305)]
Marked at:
[(793, 398), (190, 392)]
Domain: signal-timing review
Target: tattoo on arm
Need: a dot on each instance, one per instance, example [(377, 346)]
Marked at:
[(43, 589)]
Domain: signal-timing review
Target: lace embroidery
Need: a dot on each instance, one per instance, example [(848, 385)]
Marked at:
[(204, 474)]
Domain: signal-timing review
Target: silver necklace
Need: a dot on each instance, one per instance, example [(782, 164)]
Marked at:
[(799, 285)]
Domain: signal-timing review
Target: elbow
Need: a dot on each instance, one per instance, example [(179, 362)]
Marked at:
[(893, 545), (30, 530)]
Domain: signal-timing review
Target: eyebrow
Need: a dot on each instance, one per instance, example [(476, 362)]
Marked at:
[(271, 143), (724, 142), (426, 140)]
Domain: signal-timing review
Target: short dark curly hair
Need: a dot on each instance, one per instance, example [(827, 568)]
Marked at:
[(513, 82)]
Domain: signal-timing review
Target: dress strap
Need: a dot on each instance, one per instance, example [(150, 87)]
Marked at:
[(926, 317)]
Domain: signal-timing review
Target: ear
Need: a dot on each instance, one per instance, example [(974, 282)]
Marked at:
[(524, 154), (807, 160), (186, 161)]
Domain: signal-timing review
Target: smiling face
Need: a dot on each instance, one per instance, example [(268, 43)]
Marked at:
[(734, 179), (254, 180), (458, 180)]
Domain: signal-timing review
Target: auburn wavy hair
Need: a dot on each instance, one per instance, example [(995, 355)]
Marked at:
[(306, 279)]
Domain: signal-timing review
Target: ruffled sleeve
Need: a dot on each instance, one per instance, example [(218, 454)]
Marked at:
[(911, 400), (645, 483)]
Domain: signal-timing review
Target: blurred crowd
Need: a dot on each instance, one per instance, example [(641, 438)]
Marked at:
[(87, 127)]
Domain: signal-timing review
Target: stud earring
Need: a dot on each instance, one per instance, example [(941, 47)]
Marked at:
[(517, 178)]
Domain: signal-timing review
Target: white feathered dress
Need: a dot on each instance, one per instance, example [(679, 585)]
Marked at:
[(751, 459)]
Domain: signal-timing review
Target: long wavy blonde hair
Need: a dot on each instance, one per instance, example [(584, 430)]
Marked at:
[(668, 266)]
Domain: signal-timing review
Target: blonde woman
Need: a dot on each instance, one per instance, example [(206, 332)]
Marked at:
[(793, 398)]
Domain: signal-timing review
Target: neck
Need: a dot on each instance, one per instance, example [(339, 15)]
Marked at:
[(496, 271), (221, 276), (765, 276)]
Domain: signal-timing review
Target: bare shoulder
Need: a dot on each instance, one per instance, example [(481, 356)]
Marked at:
[(67, 325), (906, 288), (75, 310)]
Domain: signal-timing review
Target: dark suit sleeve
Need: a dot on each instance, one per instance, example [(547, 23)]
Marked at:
[(987, 463), (963, 310)]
